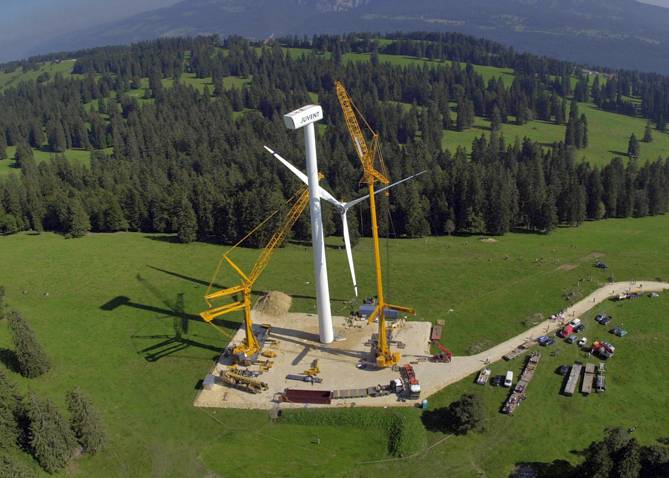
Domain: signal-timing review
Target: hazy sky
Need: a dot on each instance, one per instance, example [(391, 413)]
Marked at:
[(26, 23)]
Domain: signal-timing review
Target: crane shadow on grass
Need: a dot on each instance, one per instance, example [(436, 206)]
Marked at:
[(170, 344)]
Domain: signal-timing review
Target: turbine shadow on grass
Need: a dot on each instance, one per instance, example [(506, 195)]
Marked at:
[(618, 153)]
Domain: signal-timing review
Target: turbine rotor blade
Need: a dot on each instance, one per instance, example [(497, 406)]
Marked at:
[(352, 203), (349, 250), (303, 177)]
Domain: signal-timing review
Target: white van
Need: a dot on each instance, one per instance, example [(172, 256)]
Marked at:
[(509, 379)]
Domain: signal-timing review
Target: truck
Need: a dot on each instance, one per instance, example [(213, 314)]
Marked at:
[(411, 384), (567, 331), (604, 349)]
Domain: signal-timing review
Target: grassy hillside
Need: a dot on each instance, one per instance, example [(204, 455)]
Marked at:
[(104, 307), (608, 132), (17, 76)]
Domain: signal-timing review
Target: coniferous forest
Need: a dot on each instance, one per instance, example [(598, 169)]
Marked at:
[(180, 160)]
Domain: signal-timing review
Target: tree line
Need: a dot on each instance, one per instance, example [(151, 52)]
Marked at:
[(33, 424), (191, 162)]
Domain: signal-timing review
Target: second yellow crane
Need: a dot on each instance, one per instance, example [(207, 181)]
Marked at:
[(368, 157), (247, 352)]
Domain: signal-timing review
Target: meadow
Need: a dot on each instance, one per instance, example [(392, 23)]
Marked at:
[(106, 309)]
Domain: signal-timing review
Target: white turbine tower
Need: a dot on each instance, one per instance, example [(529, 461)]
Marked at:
[(342, 207), (305, 118)]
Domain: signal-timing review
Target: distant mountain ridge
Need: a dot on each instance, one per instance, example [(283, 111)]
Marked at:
[(615, 33)]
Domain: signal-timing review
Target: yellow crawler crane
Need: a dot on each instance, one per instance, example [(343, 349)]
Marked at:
[(368, 157), (247, 352)]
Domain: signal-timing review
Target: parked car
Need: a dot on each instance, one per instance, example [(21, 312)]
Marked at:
[(619, 332), (508, 380), (571, 339), (575, 322), (563, 370), (579, 328), (582, 341), (545, 341), (603, 319), (497, 380)]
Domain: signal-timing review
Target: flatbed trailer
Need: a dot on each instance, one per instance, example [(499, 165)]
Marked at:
[(518, 393), (522, 348), (375, 391), (572, 381), (600, 381), (588, 378), (320, 397)]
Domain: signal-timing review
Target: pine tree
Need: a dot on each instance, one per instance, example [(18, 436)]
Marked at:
[(51, 439), (495, 119), (23, 155), (9, 400), (584, 125), (78, 222), (415, 222), (114, 218), (661, 124), (628, 462), (85, 422), (3, 147), (30, 356), (465, 114), (186, 222), (648, 133), (633, 147), (570, 134)]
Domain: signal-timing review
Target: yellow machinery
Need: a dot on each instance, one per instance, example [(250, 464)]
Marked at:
[(313, 370), (368, 157), (247, 352)]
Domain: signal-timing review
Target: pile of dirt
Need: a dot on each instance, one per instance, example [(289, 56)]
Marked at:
[(274, 303)]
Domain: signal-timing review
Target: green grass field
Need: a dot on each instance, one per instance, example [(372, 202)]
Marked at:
[(17, 76), (608, 135), (7, 165), (103, 307)]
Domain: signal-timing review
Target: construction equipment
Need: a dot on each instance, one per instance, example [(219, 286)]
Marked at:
[(247, 352), (444, 354), (314, 370), (304, 378), (368, 157), (248, 384), (411, 384)]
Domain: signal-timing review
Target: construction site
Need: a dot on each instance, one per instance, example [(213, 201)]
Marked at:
[(277, 356), (380, 354)]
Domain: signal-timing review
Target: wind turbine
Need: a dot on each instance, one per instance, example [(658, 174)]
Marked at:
[(342, 207)]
